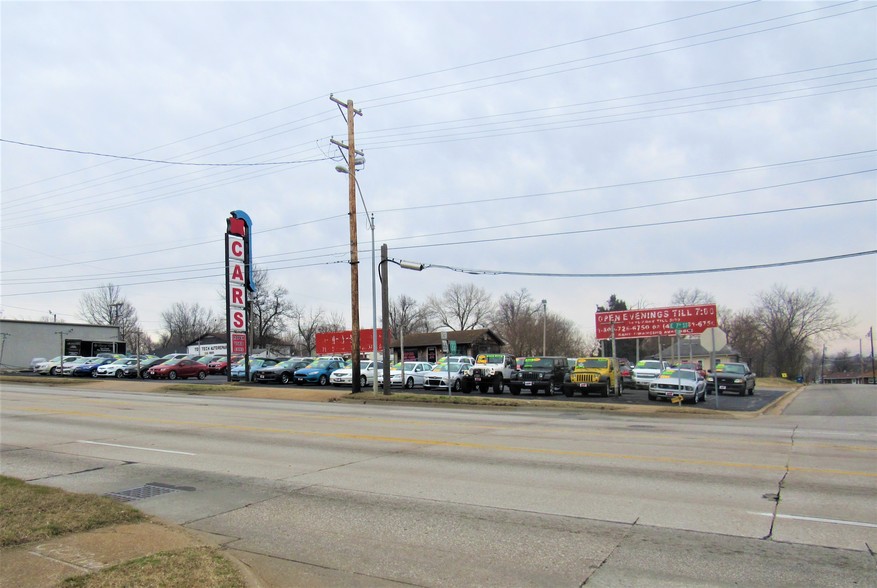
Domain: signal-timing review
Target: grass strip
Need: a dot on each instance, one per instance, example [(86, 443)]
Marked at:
[(29, 512)]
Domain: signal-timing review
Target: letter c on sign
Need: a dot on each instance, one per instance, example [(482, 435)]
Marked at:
[(237, 249)]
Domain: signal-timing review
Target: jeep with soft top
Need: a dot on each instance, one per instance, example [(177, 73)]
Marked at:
[(492, 371), (539, 373), (591, 374)]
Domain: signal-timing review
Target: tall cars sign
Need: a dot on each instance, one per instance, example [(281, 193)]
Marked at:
[(239, 282), (651, 322)]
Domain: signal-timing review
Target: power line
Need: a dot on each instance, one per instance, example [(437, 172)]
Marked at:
[(655, 274)]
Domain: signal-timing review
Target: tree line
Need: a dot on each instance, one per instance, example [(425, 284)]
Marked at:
[(781, 333)]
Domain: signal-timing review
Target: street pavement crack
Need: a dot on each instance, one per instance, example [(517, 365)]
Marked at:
[(614, 549), (779, 494)]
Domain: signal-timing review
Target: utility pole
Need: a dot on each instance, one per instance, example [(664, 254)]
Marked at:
[(354, 253), (385, 316)]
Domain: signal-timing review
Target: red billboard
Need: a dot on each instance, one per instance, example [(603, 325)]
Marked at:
[(651, 322), (341, 342)]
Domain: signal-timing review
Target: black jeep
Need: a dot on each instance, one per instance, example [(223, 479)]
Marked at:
[(539, 373)]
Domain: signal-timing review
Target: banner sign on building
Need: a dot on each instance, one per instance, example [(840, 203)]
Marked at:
[(341, 342), (239, 282), (651, 322)]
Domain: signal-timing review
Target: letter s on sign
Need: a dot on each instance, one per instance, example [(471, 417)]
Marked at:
[(237, 319)]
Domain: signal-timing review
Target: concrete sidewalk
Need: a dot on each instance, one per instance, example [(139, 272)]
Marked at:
[(48, 563)]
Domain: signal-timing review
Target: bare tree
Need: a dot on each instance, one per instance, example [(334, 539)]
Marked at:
[(183, 323), (516, 320), (789, 322), (461, 307), (270, 309), (307, 325), (844, 362), (107, 306), (745, 337), (407, 316), (686, 297)]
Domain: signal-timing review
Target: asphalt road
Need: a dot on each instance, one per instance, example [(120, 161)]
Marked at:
[(373, 495)]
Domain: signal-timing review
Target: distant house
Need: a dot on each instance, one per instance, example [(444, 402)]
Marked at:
[(428, 346), (849, 378)]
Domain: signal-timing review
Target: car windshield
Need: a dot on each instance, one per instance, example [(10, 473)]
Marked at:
[(453, 367), (730, 368), (680, 374), (651, 365), (593, 363), (173, 361), (537, 362), (320, 364)]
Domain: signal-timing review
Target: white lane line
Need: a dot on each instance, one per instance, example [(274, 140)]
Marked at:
[(817, 520), (134, 447)]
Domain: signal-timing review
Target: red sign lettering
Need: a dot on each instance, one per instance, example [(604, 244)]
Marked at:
[(651, 322)]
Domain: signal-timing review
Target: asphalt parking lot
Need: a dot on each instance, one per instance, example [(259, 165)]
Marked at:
[(728, 402)]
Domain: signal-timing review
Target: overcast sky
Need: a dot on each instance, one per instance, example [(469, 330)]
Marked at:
[(576, 138)]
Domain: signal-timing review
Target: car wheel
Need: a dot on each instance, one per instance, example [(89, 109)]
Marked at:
[(284, 378), (568, 392), (363, 381), (482, 388), (409, 383), (120, 374), (652, 397), (605, 391), (202, 375), (324, 379), (53, 371), (94, 373), (172, 375), (456, 385), (694, 399)]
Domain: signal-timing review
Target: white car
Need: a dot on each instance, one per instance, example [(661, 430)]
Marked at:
[(440, 374), (415, 371), (121, 368), (678, 382), (646, 370), (36, 361), (53, 366), (344, 376)]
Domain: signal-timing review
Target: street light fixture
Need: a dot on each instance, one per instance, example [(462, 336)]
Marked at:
[(371, 223)]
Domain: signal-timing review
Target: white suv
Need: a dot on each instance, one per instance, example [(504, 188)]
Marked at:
[(646, 370)]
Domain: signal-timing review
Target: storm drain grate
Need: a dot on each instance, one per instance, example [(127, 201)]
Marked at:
[(149, 490)]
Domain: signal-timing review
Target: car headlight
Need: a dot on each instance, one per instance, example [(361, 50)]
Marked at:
[(738, 380), (709, 379)]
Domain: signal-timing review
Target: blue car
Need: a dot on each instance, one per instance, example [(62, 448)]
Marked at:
[(238, 370), (90, 369), (318, 372)]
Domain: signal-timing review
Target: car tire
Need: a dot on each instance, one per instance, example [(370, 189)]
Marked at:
[(456, 385), (409, 383), (363, 381), (202, 374), (605, 391), (694, 399), (53, 371), (324, 379), (94, 373), (482, 388), (652, 397), (515, 390), (497, 384), (568, 392), (284, 378), (120, 374), (172, 375)]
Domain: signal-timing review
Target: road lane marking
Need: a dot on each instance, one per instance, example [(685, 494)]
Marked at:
[(463, 445), (135, 447), (816, 519)]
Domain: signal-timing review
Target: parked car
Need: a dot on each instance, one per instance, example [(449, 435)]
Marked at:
[(414, 373), (145, 365), (89, 368), (678, 382), (692, 365), (625, 370), (344, 376), (540, 373), (318, 372), (440, 375), (53, 366), (646, 371), (35, 362), (178, 368), (280, 372), (239, 370), (591, 374), (732, 377), (121, 368), (69, 367)]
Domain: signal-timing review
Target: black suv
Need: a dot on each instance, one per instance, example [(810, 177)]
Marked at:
[(539, 373), (731, 377)]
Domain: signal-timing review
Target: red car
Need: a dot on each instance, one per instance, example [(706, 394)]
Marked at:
[(178, 368), (220, 365)]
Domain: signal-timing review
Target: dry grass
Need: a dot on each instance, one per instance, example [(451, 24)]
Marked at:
[(184, 568), (35, 513)]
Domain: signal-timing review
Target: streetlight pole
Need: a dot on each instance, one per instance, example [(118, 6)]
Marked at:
[(385, 310), (544, 326)]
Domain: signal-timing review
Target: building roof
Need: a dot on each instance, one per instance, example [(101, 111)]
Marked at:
[(435, 339), (692, 347)]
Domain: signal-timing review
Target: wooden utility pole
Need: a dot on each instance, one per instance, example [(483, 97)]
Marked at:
[(354, 248), (385, 313)]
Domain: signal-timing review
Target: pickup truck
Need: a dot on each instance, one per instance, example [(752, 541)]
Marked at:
[(731, 377)]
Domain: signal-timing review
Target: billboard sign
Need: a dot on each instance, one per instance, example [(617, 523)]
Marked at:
[(651, 322), (341, 342)]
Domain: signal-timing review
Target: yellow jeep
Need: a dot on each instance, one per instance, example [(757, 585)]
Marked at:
[(591, 374)]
